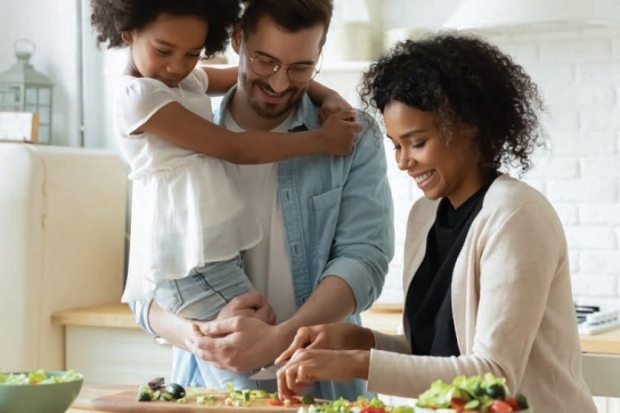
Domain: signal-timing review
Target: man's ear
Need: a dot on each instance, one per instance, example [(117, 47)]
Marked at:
[(236, 39), (127, 37)]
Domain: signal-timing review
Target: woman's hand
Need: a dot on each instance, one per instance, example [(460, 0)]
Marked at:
[(330, 337), (339, 133), (309, 366)]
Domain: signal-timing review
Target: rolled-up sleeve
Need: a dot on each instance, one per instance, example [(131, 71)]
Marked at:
[(363, 244), (140, 311)]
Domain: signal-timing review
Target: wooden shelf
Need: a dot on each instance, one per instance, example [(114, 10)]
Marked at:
[(114, 315)]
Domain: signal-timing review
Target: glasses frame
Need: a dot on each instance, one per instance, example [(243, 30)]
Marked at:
[(279, 65)]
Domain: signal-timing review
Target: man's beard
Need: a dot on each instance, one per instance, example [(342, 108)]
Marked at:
[(269, 110)]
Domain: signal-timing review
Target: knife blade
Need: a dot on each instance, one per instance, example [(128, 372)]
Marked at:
[(268, 373)]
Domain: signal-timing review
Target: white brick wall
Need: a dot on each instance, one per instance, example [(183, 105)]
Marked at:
[(579, 76)]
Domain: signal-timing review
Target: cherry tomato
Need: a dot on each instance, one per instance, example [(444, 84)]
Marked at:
[(372, 410), (275, 403), (512, 402), (458, 404), (295, 401), (499, 406)]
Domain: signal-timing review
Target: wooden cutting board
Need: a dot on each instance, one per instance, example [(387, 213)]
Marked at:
[(123, 399)]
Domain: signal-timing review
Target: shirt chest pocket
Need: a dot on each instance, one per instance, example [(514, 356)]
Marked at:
[(325, 212)]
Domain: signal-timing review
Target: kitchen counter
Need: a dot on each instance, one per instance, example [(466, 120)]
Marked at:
[(129, 356), (381, 317)]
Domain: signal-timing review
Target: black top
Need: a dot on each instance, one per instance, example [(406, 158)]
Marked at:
[(429, 306)]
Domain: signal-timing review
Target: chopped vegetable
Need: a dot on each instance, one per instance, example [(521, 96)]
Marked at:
[(38, 377)]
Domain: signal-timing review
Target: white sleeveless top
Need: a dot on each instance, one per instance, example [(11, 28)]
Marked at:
[(186, 210)]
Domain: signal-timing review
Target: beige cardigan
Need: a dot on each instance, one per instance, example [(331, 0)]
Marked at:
[(512, 305)]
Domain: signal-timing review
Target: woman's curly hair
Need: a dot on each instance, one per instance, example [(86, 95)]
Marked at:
[(110, 18), (464, 82)]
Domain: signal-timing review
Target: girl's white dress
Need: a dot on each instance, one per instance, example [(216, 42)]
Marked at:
[(185, 210)]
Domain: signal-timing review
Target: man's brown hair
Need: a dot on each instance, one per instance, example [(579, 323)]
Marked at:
[(290, 15)]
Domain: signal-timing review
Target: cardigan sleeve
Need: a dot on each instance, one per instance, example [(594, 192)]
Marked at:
[(391, 343), (518, 263)]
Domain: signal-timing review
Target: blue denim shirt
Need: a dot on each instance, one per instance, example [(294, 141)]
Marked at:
[(338, 218)]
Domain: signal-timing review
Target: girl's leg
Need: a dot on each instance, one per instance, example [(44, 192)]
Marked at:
[(202, 294)]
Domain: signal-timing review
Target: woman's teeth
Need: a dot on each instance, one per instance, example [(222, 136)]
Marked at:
[(421, 178)]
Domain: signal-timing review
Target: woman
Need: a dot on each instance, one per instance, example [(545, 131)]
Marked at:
[(486, 263)]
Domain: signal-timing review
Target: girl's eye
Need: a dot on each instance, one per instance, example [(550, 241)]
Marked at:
[(193, 56), (419, 145), (163, 52), (396, 147)]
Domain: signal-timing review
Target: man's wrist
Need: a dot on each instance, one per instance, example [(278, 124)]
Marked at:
[(287, 331)]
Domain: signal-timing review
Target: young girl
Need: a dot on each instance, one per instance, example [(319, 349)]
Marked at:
[(188, 221)]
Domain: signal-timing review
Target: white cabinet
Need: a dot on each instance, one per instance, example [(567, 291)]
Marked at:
[(116, 355), (62, 225)]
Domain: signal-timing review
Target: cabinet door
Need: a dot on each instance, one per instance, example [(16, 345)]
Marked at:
[(116, 355)]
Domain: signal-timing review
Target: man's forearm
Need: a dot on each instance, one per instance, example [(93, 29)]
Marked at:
[(331, 302), (169, 326)]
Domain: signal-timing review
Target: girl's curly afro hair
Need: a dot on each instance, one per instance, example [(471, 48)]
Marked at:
[(110, 18), (464, 82)]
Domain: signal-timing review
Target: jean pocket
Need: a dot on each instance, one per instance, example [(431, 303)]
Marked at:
[(326, 210)]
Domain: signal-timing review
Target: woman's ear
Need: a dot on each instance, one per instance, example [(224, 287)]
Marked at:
[(127, 37), (236, 39)]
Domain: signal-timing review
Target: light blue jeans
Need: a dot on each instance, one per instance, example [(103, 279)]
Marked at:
[(200, 296)]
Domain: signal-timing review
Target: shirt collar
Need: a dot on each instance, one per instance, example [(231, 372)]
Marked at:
[(306, 115)]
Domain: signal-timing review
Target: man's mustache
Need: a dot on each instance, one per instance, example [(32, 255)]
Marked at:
[(290, 90)]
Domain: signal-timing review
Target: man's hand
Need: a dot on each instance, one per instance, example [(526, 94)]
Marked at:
[(239, 344), (309, 366), (249, 305)]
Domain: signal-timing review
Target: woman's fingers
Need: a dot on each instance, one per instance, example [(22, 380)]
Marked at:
[(301, 340), (297, 374)]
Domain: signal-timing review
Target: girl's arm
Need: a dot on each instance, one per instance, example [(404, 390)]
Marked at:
[(183, 128), (329, 100), (221, 79)]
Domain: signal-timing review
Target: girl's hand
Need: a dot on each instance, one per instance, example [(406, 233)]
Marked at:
[(330, 337), (332, 104), (339, 134), (309, 366)]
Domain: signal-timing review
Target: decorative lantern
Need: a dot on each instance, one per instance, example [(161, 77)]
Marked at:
[(23, 89)]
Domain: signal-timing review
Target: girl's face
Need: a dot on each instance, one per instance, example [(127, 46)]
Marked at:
[(167, 49), (440, 169)]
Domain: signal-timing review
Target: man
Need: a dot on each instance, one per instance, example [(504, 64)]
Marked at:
[(327, 221)]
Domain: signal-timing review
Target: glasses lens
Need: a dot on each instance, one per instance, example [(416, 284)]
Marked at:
[(302, 73), (264, 66)]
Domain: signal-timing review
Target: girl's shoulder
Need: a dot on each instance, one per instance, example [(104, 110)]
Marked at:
[(132, 88), (197, 80)]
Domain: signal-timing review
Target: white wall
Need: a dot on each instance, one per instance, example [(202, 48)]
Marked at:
[(579, 75), (52, 26)]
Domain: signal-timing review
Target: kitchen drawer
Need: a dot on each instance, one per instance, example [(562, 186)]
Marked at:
[(116, 355)]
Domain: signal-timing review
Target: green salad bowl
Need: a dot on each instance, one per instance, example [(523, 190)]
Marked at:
[(39, 398)]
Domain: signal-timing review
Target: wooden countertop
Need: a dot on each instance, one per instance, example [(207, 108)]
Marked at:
[(381, 317)]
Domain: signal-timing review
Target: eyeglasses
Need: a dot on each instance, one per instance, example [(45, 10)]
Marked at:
[(268, 66)]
